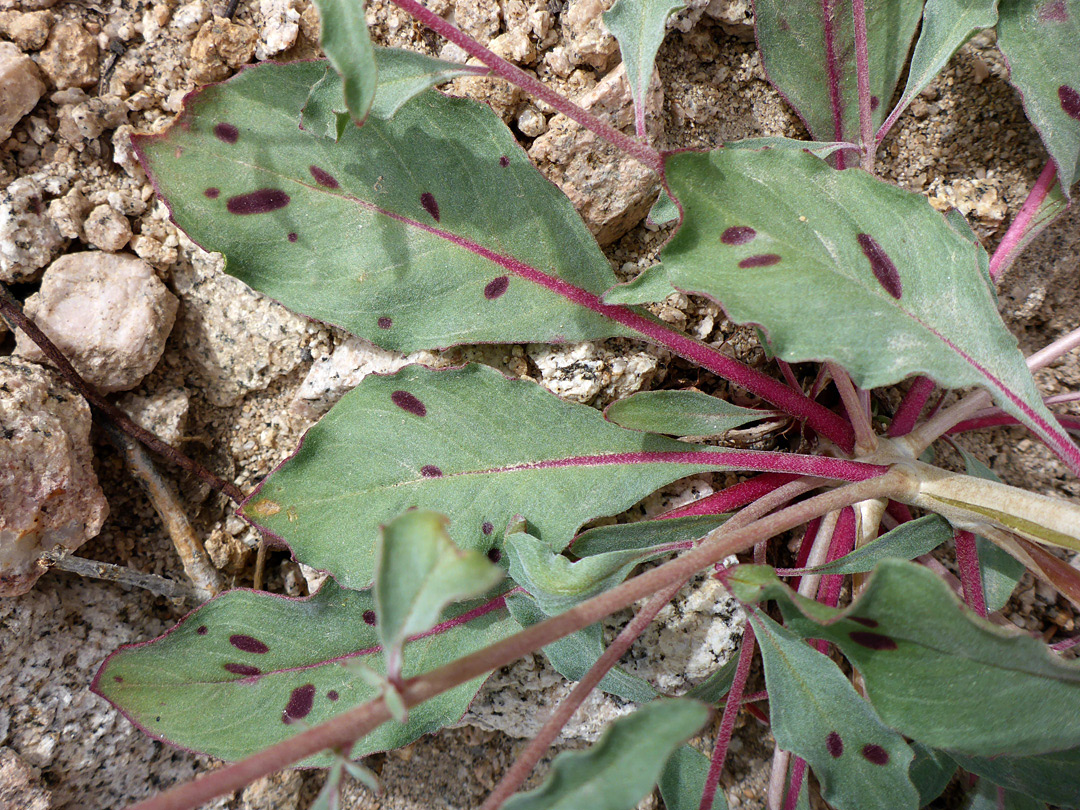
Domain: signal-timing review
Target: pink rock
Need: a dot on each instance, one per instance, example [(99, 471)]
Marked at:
[(20, 87)]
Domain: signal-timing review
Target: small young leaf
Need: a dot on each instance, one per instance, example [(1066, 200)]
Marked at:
[(946, 25), (645, 534), (1049, 777), (343, 35), (816, 713), (809, 54), (573, 655), (920, 652), (681, 413), (622, 766), (664, 211), (987, 796), (648, 287), (905, 542), (247, 670), (930, 772), (324, 112), (683, 780), (639, 26), (418, 572), (1039, 38), (783, 240), (329, 797)]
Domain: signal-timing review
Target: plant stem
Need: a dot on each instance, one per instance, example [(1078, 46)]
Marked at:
[(516, 76), (733, 497), (862, 74), (1048, 354), (865, 438), (727, 720), (122, 575), (911, 406), (967, 560), (342, 731), (798, 773), (1009, 246), (12, 311)]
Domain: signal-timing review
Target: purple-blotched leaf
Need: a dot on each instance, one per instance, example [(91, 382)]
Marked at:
[(482, 449), (946, 25), (809, 54), (681, 413), (815, 712), (247, 670), (1039, 38), (838, 266), (639, 26), (935, 671), (343, 35)]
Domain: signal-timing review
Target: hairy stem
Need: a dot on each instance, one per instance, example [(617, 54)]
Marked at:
[(1009, 246), (342, 731), (911, 406), (12, 312), (516, 76), (862, 74), (967, 560), (865, 438)]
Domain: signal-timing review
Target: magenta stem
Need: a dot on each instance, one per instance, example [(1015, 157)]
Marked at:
[(731, 498), (798, 772), (727, 721), (862, 75), (1008, 248), (832, 72), (516, 76), (858, 415), (911, 406), (1070, 423), (967, 560)]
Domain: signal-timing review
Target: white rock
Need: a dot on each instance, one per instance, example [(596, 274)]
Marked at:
[(588, 372), (49, 495), (29, 240), (587, 40), (531, 122), (109, 313), (107, 229), (20, 87), (281, 25), (163, 413), (334, 375)]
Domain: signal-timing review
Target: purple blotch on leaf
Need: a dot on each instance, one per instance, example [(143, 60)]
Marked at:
[(432, 207), (496, 287), (1054, 12), (332, 694), (242, 669), (258, 202), (864, 621), (226, 133), (494, 555), (212, 193), (385, 323), (300, 702), (875, 102), (323, 178), (873, 641), (761, 260), (875, 754), (487, 527), (293, 237), (202, 631), (834, 744), (430, 471), (738, 235), (248, 644), (407, 402), (1070, 101), (118, 679), (882, 266), (504, 161), (369, 617)]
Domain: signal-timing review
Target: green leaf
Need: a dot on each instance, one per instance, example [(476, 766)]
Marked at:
[(639, 26), (1001, 571), (623, 765), (403, 75), (664, 211), (648, 287), (573, 655), (1049, 777), (782, 240), (718, 684), (429, 229), (683, 781), (816, 713), (935, 671), (466, 442), (248, 669), (344, 38), (558, 584), (905, 542), (930, 772), (804, 44), (418, 572), (681, 413), (645, 534), (946, 25), (821, 149), (986, 797), (1039, 38)]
